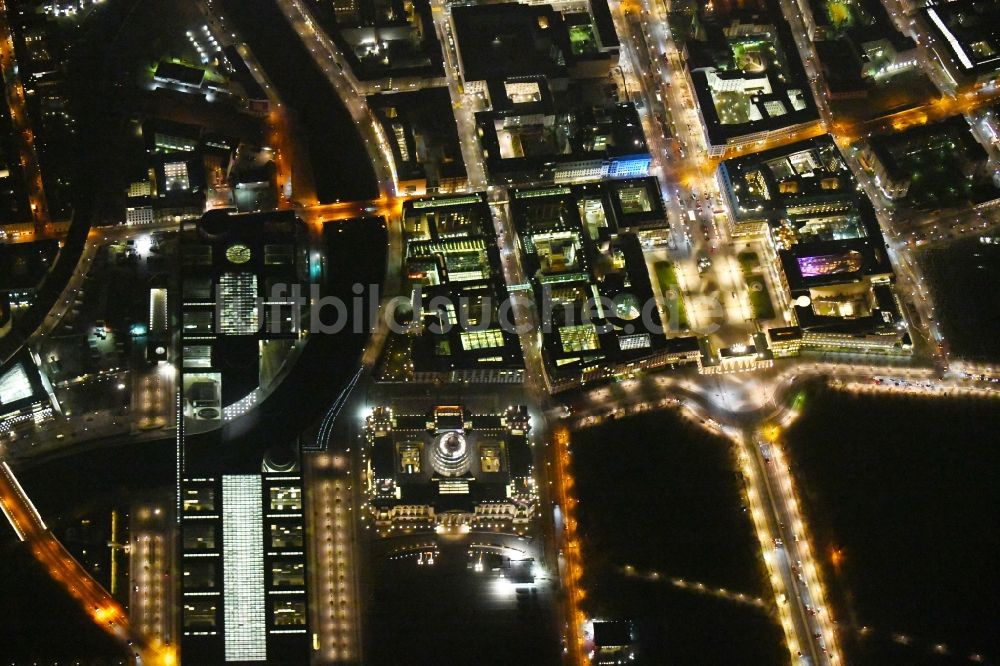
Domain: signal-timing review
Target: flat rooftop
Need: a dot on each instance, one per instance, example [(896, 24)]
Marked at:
[(517, 142), (179, 72), (822, 263), (20, 384), (798, 179), (510, 40), (841, 67), (969, 34), (383, 38), (747, 75), (589, 274), (422, 134), (451, 255), (943, 162), (831, 252), (804, 192), (898, 151), (229, 261)]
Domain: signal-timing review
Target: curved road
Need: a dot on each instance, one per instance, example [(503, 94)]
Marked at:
[(102, 608)]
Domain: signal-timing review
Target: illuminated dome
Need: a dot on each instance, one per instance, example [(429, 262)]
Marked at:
[(627, 306), (451, 454), (238, 253), (803, 301)]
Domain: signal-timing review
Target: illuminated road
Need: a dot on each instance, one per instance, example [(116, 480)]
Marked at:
[(644, 72), (909, 280), (97, 603), (715, 296), (773, 505), (932, 111), (293, 173), (652, 63), (385, 206), (98, 236), (14, 94), (559, 545), (654, 68), (525, 315), (464, 106), (153, 397), (151, 391), (291, 182), (750, 409), (560, 548), (333, 65), (804, 614), (755, 397), (570, 551)]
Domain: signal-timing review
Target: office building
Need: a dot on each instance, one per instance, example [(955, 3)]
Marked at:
[(597, 310), (26, 397), (824, 247), (950, 167), (453, 269), (240, 500), (748, 81), (23, 268), (857, 45), (964, 40), (552, 112), (512, 41), (420, 129)]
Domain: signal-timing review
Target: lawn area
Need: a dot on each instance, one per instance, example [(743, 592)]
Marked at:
[(749, 261), (581, 39), (667, 277), (970, 313), (760, 301), (683, 516), (900, 493)]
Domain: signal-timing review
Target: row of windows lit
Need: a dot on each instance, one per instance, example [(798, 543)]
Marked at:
[(487, 339), (203, 535), (201, 614), (202, 499), (201, 574)]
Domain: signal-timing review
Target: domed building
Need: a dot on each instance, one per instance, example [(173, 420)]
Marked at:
[(450, 470)]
